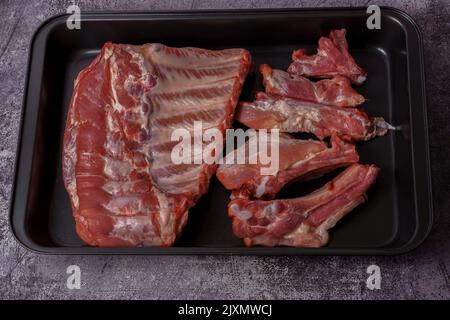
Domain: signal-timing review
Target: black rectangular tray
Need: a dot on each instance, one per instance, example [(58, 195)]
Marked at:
[(398, 215)]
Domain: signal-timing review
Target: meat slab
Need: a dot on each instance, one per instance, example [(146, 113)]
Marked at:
[(304, 221), (123, 187), (332, 59), (334, 92), (293, 115), (298, 160)]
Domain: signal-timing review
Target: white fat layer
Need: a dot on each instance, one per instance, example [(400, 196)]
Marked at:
[(305, 119), (296, 115), (116, 188), (136, 229), (300, 230), (303, 116), (340, 97), (116, 168), (116, 105), (125, 205)]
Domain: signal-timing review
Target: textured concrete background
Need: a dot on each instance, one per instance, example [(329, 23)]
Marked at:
[(422, 274)]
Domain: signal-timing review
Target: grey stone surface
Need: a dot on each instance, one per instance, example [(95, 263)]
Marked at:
[(421, 274)]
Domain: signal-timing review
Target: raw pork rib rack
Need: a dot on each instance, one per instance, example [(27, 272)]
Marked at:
[(124, 189), (293, 103)]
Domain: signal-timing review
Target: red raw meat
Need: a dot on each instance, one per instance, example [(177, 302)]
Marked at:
[(334, 92), (124, 189), (293, 115), (304, 221), (298, 160), (332, 59)]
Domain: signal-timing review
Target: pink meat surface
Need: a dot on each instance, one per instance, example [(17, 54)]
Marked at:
[(304, 221), (334, 92), (332, 59), (298, 160), (293, 115), (123, 186)]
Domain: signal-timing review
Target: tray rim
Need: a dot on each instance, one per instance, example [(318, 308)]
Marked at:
[(416, 240)]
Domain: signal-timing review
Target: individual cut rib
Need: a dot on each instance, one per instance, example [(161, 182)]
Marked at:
[(123, 186), (332, 59), (293, 115), (298, 160), (304, 221), (334, 92)]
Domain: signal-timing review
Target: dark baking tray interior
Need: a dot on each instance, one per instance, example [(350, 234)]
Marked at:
[(389, 222)]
